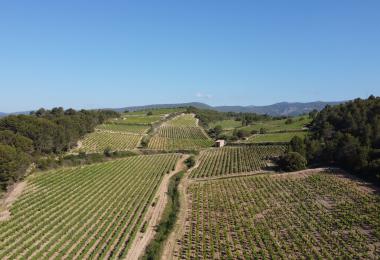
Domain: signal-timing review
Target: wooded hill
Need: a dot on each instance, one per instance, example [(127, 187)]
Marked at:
[(348, 136), (25, 138)]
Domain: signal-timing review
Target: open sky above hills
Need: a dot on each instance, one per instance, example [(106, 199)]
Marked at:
[(89, 54)]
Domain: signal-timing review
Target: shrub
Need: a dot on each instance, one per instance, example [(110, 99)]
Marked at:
[(190, 162), (241, 133), (292, 161), (263, 131), (107, 152), (289, 121)]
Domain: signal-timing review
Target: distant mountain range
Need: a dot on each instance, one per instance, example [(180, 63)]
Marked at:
[(278, 109)]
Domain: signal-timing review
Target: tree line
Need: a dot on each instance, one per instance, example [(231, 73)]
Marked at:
[(26, 138), (346, 135)]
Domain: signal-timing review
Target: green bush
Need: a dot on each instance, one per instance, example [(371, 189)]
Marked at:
[(190, 162), (292, 161)]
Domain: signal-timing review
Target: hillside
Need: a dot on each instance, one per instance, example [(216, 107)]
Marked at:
[(278, 109), (142, 185)]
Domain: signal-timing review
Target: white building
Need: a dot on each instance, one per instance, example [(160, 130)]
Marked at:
[(220, 143)]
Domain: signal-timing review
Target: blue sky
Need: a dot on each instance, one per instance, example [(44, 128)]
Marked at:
[(90, 54)]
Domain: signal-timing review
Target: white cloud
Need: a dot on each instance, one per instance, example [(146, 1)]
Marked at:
[(202, 95)]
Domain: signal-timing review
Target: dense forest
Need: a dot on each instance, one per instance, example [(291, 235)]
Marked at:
[(348, 136), (25, 138)]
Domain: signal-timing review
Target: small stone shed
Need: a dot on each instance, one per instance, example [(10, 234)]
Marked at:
[(220, 143)]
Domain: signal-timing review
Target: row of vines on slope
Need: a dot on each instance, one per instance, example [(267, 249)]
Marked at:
[(100, 140), (86, 212), (181, 132), (239, 159)]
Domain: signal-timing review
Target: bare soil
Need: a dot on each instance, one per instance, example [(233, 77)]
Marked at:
[(14, 192)]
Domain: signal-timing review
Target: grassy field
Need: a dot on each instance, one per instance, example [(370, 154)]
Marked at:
[(228, 160), (281, 216), (137, 129), (85, 212), (275, 137), (98, 141)]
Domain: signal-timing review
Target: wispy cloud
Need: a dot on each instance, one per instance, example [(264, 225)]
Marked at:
[(203, 95)]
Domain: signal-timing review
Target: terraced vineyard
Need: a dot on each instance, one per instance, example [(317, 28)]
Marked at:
[(155, 111), (229, 160), (85, 212), (141, 120), (183, 120), (160, 143), (281, 216), (100, 140), (138, 129), (275, 137), (181, 132)]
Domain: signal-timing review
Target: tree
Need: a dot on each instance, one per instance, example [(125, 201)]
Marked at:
[(297, 145), (107, 152), (263, 131), (292, 161), (190, 162), (215, 132), (347, 135), (43, 133), (17, 141), (313, 113), (289, 121), (150, 113), (241, 133), (13, 164)]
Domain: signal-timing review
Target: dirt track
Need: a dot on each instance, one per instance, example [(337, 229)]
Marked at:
[(9, 198), (153, 216), (170, 245)]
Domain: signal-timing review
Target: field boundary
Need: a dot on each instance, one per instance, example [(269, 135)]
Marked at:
[(153, 215)]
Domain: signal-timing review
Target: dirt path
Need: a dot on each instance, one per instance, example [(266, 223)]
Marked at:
[(9, 198), (153, 216), (171, 246)]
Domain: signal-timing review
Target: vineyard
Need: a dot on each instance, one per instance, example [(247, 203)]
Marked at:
[(100, 140), (275, 137), (297, 124), (240, 159), (182, 132), (160, 143), (155, 111), (272, 216), (183, 120), (136, 120), (138, 129), (85, 212)]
